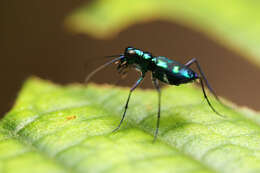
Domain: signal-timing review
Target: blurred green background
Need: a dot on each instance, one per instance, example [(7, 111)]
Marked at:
[(35, 41)]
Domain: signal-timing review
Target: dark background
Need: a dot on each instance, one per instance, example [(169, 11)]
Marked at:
[(35, 42)]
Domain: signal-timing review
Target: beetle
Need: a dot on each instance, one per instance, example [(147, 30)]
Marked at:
[(163, 69)]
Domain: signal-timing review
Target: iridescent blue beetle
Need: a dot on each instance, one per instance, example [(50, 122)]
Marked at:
[(162, 69)]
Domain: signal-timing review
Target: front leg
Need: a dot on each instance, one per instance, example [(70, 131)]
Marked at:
[(126, 105)]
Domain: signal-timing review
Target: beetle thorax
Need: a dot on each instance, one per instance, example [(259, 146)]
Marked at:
[(138, 58)]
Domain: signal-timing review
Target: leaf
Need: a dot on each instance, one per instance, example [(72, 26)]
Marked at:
[(69, 129), (234, 24)]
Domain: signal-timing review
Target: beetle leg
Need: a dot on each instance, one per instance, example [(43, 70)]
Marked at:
[(194, 60), (203, 78), (206, 97), (126, 105), (157, 87)]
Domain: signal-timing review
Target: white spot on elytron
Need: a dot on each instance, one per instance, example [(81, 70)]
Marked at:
[(184, 73), (176, 69), (165, 78), (162, 64)]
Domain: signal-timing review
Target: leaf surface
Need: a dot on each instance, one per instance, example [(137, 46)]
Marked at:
[(56, 128)]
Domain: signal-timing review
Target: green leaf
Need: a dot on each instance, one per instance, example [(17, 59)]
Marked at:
[(234, 24), (69, 129)]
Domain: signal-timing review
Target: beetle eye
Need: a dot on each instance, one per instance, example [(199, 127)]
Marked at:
[(131, 52)]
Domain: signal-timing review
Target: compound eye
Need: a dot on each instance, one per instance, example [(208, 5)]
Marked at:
[(132, 52)]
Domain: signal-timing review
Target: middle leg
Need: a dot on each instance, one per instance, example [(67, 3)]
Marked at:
[(157, 87)]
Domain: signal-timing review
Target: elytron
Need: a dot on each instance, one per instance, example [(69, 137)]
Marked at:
[(163, 69)]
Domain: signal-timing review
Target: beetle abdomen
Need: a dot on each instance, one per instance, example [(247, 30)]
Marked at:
[(172, 72)]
